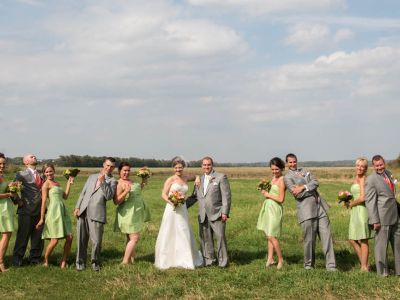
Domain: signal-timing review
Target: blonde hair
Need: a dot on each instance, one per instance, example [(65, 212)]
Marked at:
[(364, 161)]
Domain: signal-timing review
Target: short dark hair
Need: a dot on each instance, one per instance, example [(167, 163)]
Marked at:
[(377, 157), (112, 159), (178, 160), (290, 155), (276, 161), (207, 158), (2, 155), (123, 164)]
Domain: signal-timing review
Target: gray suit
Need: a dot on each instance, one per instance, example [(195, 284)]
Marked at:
[(92, 210), (312, 215), (382, 209), (214, 202), (28, 217)]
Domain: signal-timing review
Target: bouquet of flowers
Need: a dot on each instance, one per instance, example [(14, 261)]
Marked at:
[(345, 196), (264, 185), (176, 198), (143, 173), (15, 187), (71, 173)]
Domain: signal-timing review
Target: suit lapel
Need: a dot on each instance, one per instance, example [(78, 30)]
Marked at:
[(212, 174), (93, 185), (201, 187), (383, 183)]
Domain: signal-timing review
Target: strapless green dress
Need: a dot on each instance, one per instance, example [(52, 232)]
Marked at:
[(6, 211), (132, 213), (270, 217), (358, 226), (57, 221)]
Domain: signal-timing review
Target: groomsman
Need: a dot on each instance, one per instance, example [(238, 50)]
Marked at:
[(311, 213), (383, 215), (90, 209), (29, 213), (214, 196)]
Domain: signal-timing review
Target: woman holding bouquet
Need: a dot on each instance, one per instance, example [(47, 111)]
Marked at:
[(176, 245), (359, 230), (270, 217), (58, 223), (6, 213), (131, 211)]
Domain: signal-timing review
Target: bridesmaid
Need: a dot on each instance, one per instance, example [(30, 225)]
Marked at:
[(359, 230), (270, 217), (6, 214), (58, 223), (131, 211)]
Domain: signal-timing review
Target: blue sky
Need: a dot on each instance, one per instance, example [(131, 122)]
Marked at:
[(240, 80)]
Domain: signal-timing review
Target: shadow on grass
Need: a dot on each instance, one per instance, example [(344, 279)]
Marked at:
[(246, 257), (109, 255)]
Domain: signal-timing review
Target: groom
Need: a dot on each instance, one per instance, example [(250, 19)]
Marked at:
[(214, 196)]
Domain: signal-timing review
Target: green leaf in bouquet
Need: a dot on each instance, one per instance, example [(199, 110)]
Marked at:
[(71, 173)]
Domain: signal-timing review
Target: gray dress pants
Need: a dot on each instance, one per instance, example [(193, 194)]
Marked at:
[(321, 227)]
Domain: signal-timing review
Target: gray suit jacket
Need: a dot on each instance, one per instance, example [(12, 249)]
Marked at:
[(309, 200), (94, 201), (380, 200), (217, 198), (30, 194)]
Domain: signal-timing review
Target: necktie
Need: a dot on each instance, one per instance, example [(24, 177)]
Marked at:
[(388, 181), (38, 180)]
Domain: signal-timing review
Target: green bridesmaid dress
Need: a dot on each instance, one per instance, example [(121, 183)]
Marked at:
[(57, 223), (358, 227), (132, 213), (6, 211), (270, 217)]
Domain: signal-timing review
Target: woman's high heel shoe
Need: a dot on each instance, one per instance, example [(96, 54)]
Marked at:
[(269, 263), (279, 265), (3, 268)]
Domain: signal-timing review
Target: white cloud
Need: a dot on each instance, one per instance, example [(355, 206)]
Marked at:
[(259, 7), (31, 2), (203, 38), (124, 103), (306, 37), (343, 34)]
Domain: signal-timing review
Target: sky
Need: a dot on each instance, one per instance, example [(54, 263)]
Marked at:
[(239, 80)]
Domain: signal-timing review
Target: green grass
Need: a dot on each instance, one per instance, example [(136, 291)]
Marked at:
[(246, 277)]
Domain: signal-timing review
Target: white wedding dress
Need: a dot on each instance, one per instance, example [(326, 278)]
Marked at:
[(176, 245)]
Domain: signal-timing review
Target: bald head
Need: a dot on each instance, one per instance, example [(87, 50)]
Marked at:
[(30, 160)]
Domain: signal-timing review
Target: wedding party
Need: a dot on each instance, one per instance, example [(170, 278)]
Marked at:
[(199, 149), (42, 215)]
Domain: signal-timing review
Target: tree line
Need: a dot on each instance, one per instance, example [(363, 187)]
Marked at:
[(87, 161)]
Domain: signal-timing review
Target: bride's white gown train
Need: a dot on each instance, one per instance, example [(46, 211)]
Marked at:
[(176, 245)]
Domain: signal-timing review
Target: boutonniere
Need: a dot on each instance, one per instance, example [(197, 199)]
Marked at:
[(394, 180), (210, 178)]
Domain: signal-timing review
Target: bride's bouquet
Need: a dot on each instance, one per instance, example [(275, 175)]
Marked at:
[(264, 185), (15, 187), (71, 173), (345, 197), (143, 173), (176, 198)]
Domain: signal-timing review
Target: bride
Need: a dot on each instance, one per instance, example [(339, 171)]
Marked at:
[(176, 245)]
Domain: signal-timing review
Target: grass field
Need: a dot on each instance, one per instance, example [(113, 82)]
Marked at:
[(246, 277)]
